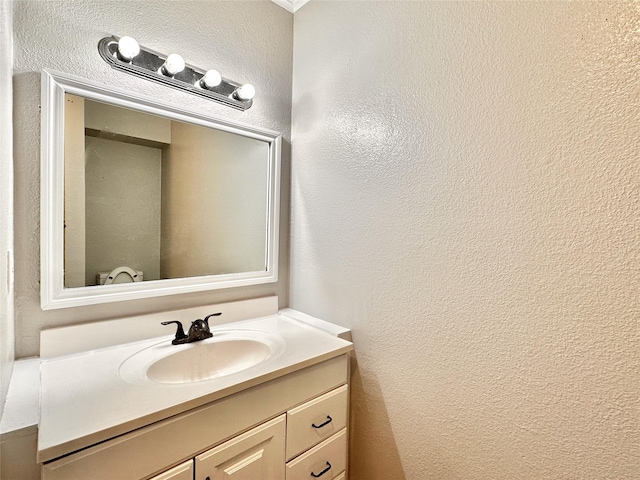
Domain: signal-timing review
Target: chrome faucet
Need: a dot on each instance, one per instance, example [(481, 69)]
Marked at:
[(199, 330)]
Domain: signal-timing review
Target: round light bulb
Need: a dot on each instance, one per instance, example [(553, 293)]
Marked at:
[(245, 92), (128, 48), (211, 79), (173, 65)]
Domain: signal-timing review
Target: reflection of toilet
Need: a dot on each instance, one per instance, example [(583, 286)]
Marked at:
[(119, 275)]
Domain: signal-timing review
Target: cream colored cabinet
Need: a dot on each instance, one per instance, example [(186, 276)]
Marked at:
[(315, 435), (255, 455), (291, 427), (312, 445)]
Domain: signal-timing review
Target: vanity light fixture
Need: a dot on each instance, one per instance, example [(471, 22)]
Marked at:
[(127, 55)]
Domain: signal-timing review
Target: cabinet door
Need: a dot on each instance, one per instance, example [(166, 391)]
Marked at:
[(255, 455), (184, 471)]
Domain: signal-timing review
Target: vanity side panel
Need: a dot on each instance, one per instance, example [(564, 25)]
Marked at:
[(17, 461), (153, 449)]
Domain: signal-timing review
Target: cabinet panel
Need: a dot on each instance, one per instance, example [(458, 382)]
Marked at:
[(316, 420), (255, 455), (184, 471), (325, 461)]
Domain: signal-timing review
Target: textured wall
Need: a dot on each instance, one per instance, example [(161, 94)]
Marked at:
[(247, 41), (465, 198), (6, 200)]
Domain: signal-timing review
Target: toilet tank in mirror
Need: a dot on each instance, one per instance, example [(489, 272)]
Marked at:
[(141, 199)]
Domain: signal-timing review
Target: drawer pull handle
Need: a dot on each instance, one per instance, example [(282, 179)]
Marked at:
[(316, 475), (327, 422)]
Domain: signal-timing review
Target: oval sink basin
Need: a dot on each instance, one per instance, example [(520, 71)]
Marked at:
[(226, 353)]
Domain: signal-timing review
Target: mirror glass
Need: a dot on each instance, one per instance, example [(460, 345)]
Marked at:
[(166, 198), (148, 199)]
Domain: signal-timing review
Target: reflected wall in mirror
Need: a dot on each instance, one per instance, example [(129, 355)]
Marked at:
[(184, 201)]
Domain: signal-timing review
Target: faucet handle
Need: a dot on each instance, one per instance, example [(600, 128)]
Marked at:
[(206, 319), (180, 335)]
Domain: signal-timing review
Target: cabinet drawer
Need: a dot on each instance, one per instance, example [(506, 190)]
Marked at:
[(316, 420), (326, 461)]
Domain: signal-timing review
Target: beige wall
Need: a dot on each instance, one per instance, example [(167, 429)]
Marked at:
[(127, 122), (465, 198), (246, 41), (74, 192), (123, 199), (121, 205), (6, 201), (221, 177)]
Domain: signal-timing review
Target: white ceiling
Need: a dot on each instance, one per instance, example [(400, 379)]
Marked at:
[(290, 5)]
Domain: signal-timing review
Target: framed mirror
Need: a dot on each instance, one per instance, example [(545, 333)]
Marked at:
[(141, 199)]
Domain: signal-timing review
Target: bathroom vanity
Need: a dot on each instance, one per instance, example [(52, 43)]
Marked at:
[(278, 416)]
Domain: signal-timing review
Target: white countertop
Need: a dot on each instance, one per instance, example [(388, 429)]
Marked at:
[(84, 400)]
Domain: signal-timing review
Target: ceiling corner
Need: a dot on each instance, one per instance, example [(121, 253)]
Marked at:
[(290, 5), (298, 4)]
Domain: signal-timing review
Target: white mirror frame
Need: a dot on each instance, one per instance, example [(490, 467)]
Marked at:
[(53, 295)]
